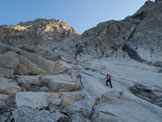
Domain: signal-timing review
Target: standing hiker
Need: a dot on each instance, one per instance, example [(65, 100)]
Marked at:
[(108, 80), (78, 50)]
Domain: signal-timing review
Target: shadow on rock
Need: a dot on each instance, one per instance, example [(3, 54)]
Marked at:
[(153, 96)]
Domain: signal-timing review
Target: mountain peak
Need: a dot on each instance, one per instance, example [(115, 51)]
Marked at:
[(34, 31)]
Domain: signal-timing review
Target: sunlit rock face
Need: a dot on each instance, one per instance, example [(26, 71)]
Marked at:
[(32, 32)]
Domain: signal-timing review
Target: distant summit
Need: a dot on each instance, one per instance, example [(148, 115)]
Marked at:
[(36, 31)]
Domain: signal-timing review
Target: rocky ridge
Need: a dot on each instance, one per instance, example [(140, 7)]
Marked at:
[(138, 35), (33, 32), (59, 76)]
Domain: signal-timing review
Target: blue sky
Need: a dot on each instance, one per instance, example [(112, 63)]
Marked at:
[(80, 14)]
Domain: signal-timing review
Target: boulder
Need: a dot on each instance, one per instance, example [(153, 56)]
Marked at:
[(31, 99), (57, 85), (8, 86), (44, 64), (29, 81), (64, 98), (84, 100), (61, 82), (26, 114), (26, 67), (71, 98), (34, 64)]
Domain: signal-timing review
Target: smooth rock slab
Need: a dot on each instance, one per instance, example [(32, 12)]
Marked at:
[(25, 114), (31, 99), (116, 106)]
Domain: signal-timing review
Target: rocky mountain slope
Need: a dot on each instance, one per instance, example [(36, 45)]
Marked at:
[(50, 73), (32, 32), (139, 35)]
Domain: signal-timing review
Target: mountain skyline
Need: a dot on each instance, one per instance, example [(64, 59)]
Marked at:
[(80, 14)]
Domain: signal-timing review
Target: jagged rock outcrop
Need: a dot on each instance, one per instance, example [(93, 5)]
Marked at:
[(138, 35), (20, 62), (107, 37), (147, 38), (33, 32)]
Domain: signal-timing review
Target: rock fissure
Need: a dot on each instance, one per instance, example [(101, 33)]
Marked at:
[(147, 94)]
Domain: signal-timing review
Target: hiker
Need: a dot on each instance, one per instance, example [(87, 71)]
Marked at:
[(78, 50), (108, 80)]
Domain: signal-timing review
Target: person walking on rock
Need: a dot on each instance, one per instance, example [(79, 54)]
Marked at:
[(108, 80)]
